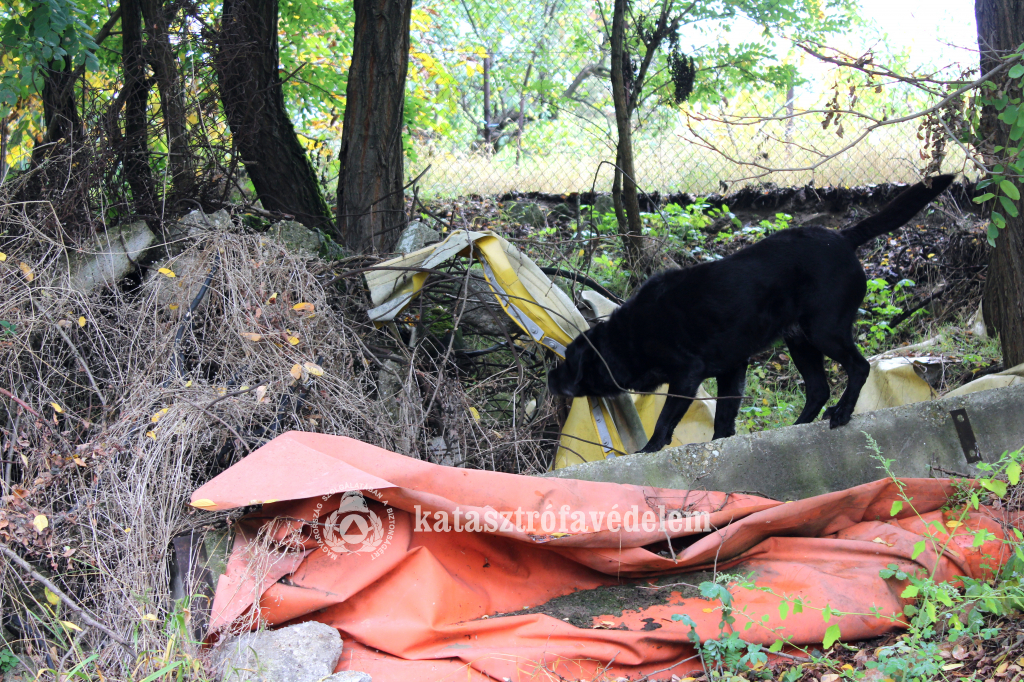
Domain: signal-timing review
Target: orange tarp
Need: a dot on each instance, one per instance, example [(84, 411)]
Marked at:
[(417, 604)]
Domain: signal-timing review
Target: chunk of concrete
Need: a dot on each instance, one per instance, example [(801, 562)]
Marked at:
[(525, 212), (416, 236), (922, 440), (196, 222), (110, 256), (297, 238), (348, 676), (482, 312), (307, 652)]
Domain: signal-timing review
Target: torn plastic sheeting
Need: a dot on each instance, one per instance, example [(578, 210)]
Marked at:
[(1009, 377), (414, 600), (893, 382)]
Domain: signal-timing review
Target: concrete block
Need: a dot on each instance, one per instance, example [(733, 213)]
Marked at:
[(110, 256), (795, 462)]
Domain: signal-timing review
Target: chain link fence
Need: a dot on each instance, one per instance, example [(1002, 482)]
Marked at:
[(524, 104)]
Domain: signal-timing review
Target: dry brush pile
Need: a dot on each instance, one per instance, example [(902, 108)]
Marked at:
[(115, 405)]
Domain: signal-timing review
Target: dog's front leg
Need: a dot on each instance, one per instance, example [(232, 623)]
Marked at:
[(681, 394)]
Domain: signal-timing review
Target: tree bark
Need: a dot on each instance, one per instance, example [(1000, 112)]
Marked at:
[(172, 97), (59, 111), (371, 203), (246, 60), (1000, 31), (627, 204), (134, 148)]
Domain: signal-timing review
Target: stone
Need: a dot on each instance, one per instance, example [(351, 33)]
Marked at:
[(482, 313), (307, 652), (297, 238), (603, 203), (110, 256), (190, 269), (196, 222), (348, 676), (796, 462), (525, 212), (416, 236), (563, 211)]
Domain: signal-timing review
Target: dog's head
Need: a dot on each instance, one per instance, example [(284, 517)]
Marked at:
[(585, 369)]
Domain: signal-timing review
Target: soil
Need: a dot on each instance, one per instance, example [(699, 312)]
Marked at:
[(580, 608)]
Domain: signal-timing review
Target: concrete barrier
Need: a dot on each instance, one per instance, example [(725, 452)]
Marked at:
[(927, 439)]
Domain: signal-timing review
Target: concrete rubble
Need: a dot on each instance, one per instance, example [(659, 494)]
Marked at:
[(935, 438)]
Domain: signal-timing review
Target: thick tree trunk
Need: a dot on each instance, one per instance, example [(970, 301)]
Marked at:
[(1000, 31), (134, 149), (371, 204), (59, 111), (624, 190), (172, 98), (246, 60)]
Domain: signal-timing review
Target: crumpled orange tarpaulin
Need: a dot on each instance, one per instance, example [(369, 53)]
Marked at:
[(415, 604)]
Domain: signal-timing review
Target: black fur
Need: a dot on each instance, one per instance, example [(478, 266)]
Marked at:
[(803, 284)]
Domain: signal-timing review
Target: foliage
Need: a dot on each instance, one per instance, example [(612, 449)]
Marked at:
[(882, 303)]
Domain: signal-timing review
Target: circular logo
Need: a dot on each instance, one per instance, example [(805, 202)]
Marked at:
[(352, 528)]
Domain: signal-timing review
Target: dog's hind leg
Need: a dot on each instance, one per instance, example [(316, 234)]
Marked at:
[(809, 362), (675, 407), (730, 383), (843, 350)]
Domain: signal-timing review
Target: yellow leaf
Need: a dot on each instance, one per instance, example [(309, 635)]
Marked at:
[(193, 119), (79, 461), (559, 535), (41, 523), (296, 372), (252, 337), (3, 256), (708, 610), (261, 393), (51, 597), (151, 434), (27, 271), (204, 504), (70, 626), (128, 530), (156, 417), (476, 415), (294, 340), (81, 320), (314, 369), (953, 524), (56, 408), (150, 617), (304, 307), (167, 272), (273, 298), (173, 306)]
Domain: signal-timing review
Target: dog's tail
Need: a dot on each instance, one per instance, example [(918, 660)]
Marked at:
[(897, 212)]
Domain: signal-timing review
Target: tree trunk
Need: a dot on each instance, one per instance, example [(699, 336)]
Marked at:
[(1000, 31), (371, 204), (624, 195), (134, 149), (172, 97), (246, 60), (59, 111)]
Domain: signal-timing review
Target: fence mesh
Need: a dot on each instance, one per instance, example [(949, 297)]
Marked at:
[(523, 103)]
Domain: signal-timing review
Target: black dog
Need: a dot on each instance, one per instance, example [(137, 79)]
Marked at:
[(803, 284)]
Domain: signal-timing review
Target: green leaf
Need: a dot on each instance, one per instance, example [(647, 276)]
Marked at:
[(1013, 473), (918, 548), (1009, 207), (162, 671), (831, 636), (998, 219), (996, 486), (943, 597), (784, 610), (827, 613), (1016, 71), (983, 198), (897, 507), (910, 592), (1009, 115), (776, 646), (992, 233), (1010, 189)]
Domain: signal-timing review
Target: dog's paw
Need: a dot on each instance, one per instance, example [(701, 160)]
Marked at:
[(654, 445), (837, 417)]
